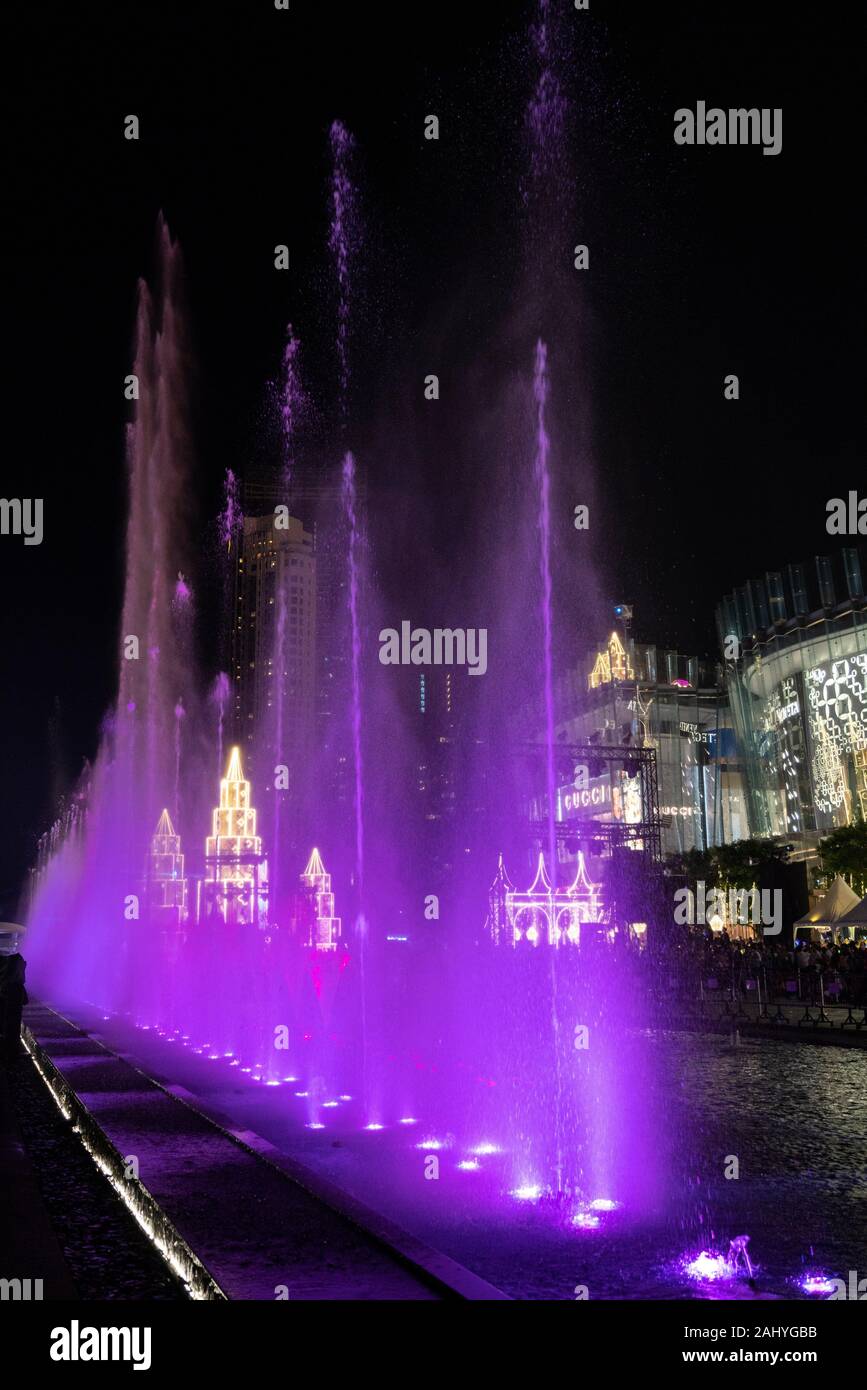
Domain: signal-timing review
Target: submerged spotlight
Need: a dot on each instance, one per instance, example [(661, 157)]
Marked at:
[(818, 1284), (530, 1192), (708, 1266), (586, 1220)]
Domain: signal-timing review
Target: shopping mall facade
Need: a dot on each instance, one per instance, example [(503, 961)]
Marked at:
[(795, 648), (637, 696), (768, 742)]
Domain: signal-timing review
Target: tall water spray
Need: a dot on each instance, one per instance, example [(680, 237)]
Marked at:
[(291, 400), (343, 243), (78, 911), (350, 508)]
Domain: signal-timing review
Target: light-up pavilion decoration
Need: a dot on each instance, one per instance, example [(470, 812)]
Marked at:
[(166, 881), (235, 886), (543, 913), (324, 928)]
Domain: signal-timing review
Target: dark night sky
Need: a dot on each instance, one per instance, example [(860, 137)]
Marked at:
[(703, 262)]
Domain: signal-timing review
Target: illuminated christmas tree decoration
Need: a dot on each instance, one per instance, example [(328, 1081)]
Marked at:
[(235, 886), (544, 913), (324, 928), (166, 883), (613, 664)]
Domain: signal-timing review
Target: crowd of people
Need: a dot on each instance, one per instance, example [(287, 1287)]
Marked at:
[(766, 969)]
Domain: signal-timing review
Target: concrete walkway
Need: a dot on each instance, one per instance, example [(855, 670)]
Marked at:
[(28, 1246), (235, 1224)]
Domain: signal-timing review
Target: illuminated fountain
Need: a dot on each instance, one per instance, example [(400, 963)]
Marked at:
[(235, 886)]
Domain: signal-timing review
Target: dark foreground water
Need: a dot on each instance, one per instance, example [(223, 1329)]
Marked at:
[(790, 1119)]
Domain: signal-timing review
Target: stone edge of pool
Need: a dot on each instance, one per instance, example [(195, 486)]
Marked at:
[(437, 1275)]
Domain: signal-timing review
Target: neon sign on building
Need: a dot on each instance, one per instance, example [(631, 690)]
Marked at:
[(837, 709)]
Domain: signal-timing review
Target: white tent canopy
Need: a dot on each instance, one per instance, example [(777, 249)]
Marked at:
[(856, 916), (838, 902)]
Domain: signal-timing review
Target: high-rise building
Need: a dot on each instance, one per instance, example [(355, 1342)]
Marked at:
[(274, 650), (636, 697), (315, 497)]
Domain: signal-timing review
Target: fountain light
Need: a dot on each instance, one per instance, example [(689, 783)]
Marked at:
[(431, 1145), (374, 1125), (330, 1104), (482, 1150), (604, 1204), (818, 1284), (708, 1267), (409, 1120), (302, 1095), (469, 1165), (344, 1097), (586, 1220), (529, 1192), (314, 1124)]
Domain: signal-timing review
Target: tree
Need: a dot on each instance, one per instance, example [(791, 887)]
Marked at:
[(738, 864), (844, 852)]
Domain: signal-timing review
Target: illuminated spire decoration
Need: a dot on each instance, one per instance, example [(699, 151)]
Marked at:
[(167, 886), (545, 913), (325, 928), (498, 921), (236, 872)]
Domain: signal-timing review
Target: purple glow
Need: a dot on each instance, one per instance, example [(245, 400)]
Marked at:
[(528, 1192)]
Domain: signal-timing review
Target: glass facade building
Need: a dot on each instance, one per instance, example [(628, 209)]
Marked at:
[(795, 649), (632, 695)]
